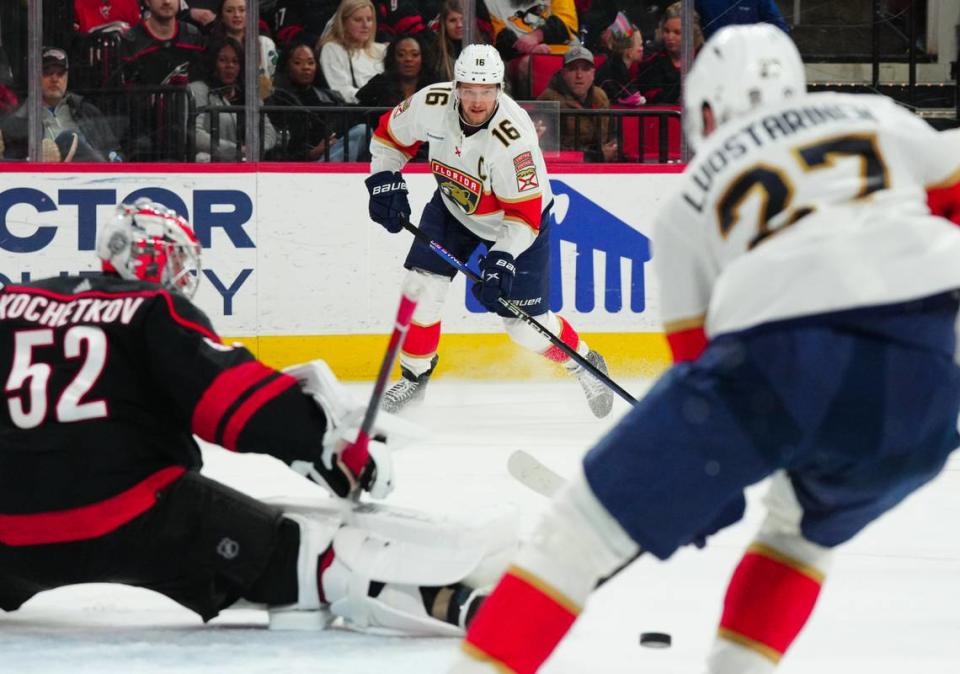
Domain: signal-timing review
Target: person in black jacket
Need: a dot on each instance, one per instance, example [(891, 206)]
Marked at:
[(77, 127), (407, 68), (306, 133)]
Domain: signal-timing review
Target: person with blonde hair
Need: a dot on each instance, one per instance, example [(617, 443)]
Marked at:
[(658, 80), (349, 56), (449, 37)]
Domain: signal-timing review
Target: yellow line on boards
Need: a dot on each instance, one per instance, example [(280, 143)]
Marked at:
[(485, 356)]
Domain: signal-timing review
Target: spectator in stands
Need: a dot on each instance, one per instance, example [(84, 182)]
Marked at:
[(523, 27), (296, 21), (407, 67), (715, 14), (201, 13), (574, 89), (160, 49), (222, 87), (449, 41), (398, 17), (348, 54), (90, 14), (597, 17), (658, 79), (232, 22), (624, 42), (77, 127), (309, 137)]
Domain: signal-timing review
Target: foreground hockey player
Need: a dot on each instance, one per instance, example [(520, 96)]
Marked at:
[(813, 296), (106, 379), (492, 188)]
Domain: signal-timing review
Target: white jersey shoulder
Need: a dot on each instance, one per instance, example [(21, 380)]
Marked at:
[(494, 180), (827, 182)]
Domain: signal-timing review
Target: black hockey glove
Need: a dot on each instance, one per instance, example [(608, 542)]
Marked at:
[(388, 199), (497, 270)]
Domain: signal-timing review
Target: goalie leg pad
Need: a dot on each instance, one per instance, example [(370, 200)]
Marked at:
[(316, 535), (402, 551)]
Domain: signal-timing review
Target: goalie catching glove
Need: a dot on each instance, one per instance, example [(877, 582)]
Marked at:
[(344, 416)]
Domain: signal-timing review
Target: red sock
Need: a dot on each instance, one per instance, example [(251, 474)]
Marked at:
[(769, 599), (520, 624), (569, 337), (422, 340)]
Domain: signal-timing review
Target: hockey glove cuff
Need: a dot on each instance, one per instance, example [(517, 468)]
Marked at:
[(389, 205), (497, 271)]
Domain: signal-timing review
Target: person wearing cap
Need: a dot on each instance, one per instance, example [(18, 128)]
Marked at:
[(574, 89), (76, 128)]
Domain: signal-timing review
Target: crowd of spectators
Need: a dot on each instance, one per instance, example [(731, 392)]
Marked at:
[(145, 70)]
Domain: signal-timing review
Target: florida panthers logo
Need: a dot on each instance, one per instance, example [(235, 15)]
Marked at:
[(462, 189)]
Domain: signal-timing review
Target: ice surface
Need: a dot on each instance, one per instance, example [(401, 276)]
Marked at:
[(891, 604)]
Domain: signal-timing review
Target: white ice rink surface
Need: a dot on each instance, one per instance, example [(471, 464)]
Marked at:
[(890, 606)]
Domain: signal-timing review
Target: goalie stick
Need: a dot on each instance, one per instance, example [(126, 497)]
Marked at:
[(357, 453), (537, 476), (533, 474), (519, 313)]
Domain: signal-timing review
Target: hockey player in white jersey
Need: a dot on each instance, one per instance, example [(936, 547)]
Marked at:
[(493, 189), (810, 297)]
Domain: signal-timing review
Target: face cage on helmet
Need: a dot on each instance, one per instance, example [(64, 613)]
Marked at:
[(175, 266)]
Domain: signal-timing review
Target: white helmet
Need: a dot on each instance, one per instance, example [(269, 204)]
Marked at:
[(741, 68), (478, 64), (147, 241)]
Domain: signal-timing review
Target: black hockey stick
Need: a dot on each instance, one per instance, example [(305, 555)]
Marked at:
[(519, 313)]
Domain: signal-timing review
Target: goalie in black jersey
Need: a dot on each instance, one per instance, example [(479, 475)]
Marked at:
[(107, 380)]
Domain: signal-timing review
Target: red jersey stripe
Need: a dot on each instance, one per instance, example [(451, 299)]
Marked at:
[(384, 134), (687, 344), (527, 211), (89, 521), (222, 393), (250, 406)]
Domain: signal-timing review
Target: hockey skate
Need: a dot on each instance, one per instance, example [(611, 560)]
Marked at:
[(410, 390), (599, 395)]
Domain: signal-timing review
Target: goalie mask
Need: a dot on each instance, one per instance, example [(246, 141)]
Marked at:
[(739, 69), (147, 241)]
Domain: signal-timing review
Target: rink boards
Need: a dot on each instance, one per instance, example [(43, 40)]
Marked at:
[(295, 269)]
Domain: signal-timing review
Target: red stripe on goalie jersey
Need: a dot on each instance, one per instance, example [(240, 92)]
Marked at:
[(382, 132), (250, 406), (90, 521), (219, 406), (520, 624), (769, 600)]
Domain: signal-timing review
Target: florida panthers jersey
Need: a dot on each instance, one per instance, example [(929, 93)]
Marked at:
[(814, 206), (493, 181), (106, 381)]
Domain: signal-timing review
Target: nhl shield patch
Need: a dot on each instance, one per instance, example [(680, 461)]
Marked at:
[(462, 189)]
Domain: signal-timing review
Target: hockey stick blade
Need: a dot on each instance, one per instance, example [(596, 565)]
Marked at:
[(534, 475)]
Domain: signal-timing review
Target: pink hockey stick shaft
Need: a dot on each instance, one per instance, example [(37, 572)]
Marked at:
[(356, 455)]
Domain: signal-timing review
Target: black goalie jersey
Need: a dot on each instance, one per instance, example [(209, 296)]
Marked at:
[(105, 383)]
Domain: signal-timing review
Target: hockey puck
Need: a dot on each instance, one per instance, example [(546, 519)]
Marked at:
[(655, 639)]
